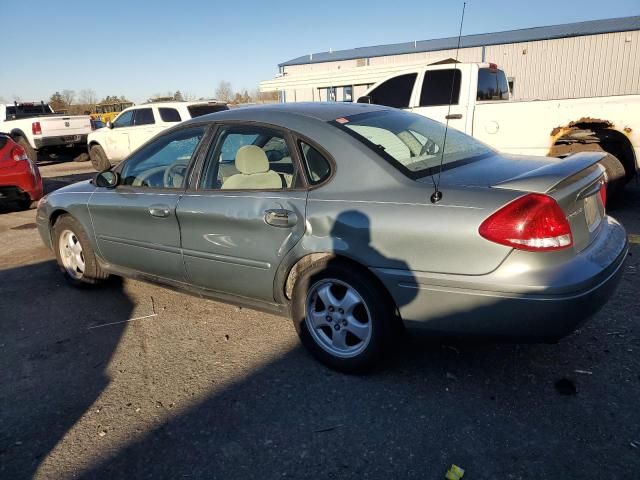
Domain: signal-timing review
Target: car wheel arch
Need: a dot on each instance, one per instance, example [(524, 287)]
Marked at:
[(304, 262)]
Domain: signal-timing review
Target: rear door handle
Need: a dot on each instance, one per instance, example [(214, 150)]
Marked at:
[(279, 217), (454, 116), (159, 210)]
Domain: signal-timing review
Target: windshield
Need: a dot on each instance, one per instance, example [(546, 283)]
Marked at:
[(412, 143)]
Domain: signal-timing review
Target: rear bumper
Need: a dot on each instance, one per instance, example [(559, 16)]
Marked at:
[(517, 300), (20, 182), (60, 141)]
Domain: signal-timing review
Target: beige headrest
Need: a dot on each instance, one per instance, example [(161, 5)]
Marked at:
[(251, 159)]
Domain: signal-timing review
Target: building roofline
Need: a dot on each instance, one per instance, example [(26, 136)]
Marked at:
[(550, 32)]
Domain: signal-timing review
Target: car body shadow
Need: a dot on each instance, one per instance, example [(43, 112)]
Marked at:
[(53, 366), (490, 407)]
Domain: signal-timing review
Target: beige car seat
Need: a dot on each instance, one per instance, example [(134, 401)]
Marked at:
[(253, 165)]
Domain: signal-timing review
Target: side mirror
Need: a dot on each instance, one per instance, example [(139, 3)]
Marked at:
[(107, 179), (109, 125), (365, 99)]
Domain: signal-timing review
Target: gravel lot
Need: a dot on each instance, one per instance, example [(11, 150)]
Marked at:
[(131, 380)]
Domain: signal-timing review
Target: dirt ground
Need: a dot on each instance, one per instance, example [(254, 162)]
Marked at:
[(131, 380)]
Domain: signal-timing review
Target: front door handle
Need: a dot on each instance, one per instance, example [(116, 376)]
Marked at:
[(159, 210), (279, 217), (454, 116)]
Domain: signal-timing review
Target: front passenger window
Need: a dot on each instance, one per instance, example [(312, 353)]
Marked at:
[(164, 162)]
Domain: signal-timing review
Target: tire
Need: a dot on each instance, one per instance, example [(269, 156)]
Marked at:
[(81, 157), (373, 317), (615, 176), (68, 231), (98, 158), (24, 204), (31, 153)]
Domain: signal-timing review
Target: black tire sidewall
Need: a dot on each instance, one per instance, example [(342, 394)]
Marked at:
[(92, 271), (379, 306), (99, 158)]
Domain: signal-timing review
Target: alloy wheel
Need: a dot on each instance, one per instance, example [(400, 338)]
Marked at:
[(338, 318), (71, 254)]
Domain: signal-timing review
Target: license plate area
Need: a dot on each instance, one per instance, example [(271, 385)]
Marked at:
[(71, 138), (593, 211)]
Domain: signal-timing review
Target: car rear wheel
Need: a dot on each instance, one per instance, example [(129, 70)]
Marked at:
[(343, 317), (98, 158), (24, 204), (74, 254)]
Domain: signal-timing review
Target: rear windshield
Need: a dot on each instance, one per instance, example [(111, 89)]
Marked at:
[(492, 85), (205, 109), (412, 143)]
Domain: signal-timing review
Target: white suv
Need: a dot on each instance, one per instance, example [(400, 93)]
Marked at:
[(135, 125)]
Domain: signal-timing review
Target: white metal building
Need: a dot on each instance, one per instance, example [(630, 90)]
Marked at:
[(586, 59)]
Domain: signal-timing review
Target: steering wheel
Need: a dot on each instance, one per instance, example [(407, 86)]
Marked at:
[(429, 148), (173, 171)]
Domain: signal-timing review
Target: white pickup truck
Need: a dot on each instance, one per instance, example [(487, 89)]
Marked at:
[(481, 106), (36, 127)]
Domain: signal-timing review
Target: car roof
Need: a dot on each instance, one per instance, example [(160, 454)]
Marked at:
[(323, 111)]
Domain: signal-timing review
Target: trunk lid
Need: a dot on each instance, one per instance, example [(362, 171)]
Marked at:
[(573, 182)]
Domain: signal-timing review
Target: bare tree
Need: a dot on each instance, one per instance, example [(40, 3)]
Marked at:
[(88, 97), (189, 97), (224, 92), (69, 96)]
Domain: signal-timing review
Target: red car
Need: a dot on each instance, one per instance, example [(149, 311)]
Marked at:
[(20, 181)]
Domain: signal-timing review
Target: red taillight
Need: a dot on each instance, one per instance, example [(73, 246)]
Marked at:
[(36, 129), (603, 193), (493, 66), (534, 222), (18, 153)]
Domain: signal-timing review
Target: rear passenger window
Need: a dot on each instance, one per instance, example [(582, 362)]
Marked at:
[(143, 116), (318, 168), (492, 85), (395, 92), (169, 115), (249, 158), (437, 88)]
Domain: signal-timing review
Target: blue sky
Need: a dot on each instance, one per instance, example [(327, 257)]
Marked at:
[(137, 48)]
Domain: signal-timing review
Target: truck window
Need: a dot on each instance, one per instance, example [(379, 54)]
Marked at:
[(436, 87), (143, 116), (169, 115), (492, 85), (205, 109), (395, 92)]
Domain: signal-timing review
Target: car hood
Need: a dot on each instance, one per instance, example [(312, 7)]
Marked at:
[(517, 172)]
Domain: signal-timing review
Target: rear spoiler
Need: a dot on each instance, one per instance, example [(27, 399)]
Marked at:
[(550, 176)]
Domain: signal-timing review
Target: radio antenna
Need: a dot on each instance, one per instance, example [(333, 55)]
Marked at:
[(436, 196)]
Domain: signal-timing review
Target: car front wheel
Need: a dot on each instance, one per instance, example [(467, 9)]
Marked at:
[(343, 317), (74, 254)]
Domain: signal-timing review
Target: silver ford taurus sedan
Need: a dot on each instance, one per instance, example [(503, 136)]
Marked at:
[(323, 212)]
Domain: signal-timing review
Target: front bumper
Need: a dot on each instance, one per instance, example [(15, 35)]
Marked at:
[(519, 300), (60, 141)]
